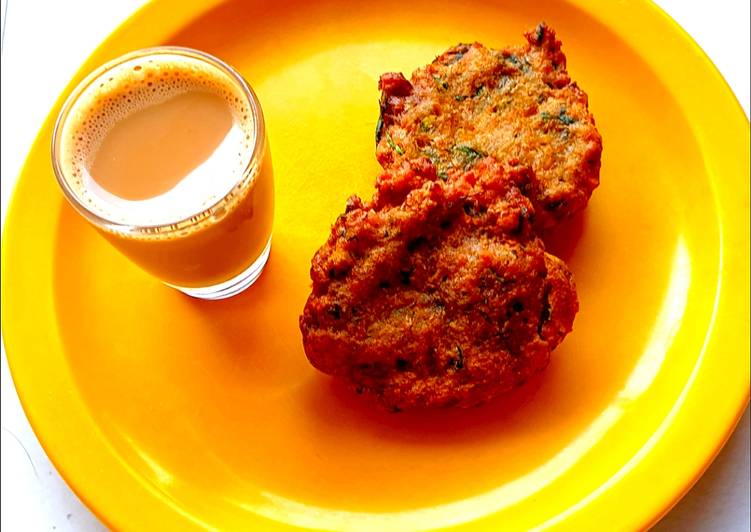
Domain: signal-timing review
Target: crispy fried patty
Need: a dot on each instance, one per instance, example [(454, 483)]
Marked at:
[(437, 293), (516, 104)]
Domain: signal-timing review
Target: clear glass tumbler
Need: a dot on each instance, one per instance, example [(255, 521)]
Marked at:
[(215, 247)]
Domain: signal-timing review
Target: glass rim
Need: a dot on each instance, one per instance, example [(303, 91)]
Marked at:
[(258, 143)]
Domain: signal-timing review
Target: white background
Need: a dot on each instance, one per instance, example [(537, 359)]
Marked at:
[(44, 43)]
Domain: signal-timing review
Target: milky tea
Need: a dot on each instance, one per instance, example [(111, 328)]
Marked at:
[(164, 152)]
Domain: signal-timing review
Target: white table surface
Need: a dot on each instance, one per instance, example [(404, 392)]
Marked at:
[(44, 43)]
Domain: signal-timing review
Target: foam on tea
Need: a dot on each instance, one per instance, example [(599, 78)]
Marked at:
[(157, 141)]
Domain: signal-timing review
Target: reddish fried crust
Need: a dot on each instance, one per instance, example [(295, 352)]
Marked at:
[(516, 104), (437, 293)]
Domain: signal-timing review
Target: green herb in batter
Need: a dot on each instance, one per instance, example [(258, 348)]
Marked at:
[(443, 175), (393, 145), (468, 153), (460, 98), (426, 124), (443, 84), (562, 117), (566, 119), (522, 64)]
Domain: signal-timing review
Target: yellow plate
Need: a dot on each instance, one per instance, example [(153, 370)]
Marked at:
[(163, 412)]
